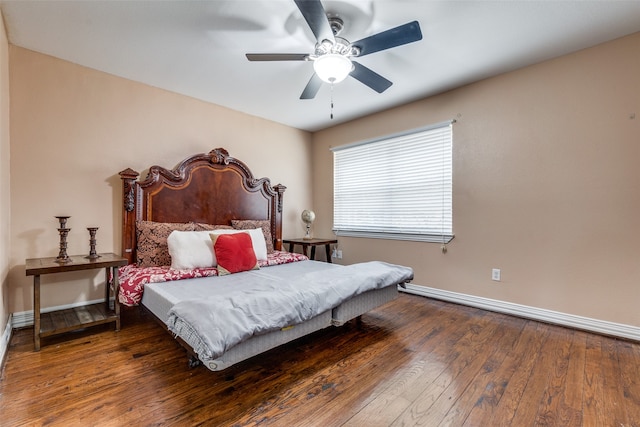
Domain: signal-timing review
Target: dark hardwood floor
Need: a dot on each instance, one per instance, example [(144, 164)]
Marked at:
[(413, 362)]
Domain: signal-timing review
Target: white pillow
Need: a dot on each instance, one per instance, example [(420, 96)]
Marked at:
[(194, 249), (257, 239)]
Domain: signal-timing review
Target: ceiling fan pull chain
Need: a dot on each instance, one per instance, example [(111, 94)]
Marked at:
[(331, 101)]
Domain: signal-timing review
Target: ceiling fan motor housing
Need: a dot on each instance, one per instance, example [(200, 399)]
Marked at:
[(336, 24), (340, 47)]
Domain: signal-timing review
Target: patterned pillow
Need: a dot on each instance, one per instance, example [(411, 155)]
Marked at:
[(248, 224), (199, 226), (152, 249)]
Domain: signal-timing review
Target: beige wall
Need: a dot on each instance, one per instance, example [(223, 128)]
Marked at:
[(73, 129), (546, 185), (546, 182), (5, 191)]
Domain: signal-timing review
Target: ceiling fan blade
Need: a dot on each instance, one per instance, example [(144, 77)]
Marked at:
[(312, 87), (370, 78), (277, 56), (407, 33), (316, 17)]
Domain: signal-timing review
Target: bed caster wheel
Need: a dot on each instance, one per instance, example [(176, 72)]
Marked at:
[(194, 362)]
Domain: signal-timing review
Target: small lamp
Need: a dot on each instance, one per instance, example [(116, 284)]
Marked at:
[(308, 217)]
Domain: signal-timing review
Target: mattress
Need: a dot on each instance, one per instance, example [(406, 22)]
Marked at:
[(159, 298), (159, 301), (261, 343)]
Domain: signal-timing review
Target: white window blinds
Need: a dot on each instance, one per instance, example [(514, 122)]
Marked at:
[(398, 187)]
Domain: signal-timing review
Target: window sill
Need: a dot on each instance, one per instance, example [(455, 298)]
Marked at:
[(429, 238)]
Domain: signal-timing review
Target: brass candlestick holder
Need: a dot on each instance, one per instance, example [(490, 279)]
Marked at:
[(62, 257), (92, 243)]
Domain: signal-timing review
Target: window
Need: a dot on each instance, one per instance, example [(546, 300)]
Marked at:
[(396, 187)]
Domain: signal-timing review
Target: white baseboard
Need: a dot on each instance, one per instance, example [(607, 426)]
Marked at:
[(25, 318), (4, 341), (549, 316)]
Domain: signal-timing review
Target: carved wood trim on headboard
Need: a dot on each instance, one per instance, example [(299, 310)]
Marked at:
[(211, 188)]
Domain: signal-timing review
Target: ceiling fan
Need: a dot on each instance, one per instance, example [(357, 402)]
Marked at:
[(332, 57)]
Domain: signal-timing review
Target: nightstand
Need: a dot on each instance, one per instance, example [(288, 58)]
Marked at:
[(306, 243), (61, 321)]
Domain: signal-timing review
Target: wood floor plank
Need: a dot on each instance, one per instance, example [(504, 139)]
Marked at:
[(455, 352), (572, 394), (593, 408), (504, 378), (434, 349), (422, 406), (629, 359), (542, 377), (512, 396), (555, 409), (462, 399), (617, 414), (412, 361)]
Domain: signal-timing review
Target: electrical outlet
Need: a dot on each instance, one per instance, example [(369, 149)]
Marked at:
[(495, 274)]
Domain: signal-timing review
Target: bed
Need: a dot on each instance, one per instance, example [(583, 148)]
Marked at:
[(274, 296)]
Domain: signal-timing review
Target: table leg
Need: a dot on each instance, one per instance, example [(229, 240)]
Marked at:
[(305, 249), (107, 288), (291, 247), (327, 248), (36, 312), (313, 252), (116, 303)]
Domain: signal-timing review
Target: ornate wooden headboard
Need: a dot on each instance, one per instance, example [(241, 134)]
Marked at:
[(211, 188)]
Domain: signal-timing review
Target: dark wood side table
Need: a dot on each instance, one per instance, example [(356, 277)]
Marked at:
[(61, 321), (311, 243)]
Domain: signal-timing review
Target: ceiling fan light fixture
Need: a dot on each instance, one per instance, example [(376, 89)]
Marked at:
[(332, 67)]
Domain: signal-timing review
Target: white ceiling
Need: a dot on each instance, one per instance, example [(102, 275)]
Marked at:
[(197, 48)]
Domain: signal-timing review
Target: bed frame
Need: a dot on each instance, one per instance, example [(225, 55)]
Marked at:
[(211, 188), (215, 188)]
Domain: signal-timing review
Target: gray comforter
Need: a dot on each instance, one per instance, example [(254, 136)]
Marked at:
[(218, 323)]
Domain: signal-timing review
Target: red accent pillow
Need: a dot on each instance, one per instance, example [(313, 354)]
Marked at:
[(234, 253)]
